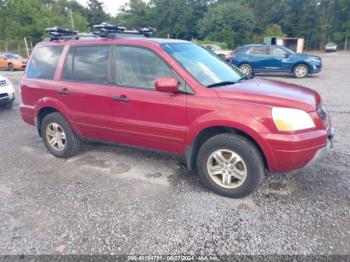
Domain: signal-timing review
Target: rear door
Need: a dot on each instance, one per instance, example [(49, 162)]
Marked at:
[(85, 89), (143, 116), (259, 58)]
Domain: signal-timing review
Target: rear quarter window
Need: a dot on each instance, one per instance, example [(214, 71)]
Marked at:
[(44, 61)]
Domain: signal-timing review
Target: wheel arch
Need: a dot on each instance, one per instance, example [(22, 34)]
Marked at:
[(301, 63), (191, 151)]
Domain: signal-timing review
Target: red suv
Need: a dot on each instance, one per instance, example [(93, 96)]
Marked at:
[(173, 96)]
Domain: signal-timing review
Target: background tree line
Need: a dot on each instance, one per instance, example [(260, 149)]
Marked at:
[(233, 22)]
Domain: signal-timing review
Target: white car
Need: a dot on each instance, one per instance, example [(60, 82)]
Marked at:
[(223, 53), (330, 47), (7, 92)]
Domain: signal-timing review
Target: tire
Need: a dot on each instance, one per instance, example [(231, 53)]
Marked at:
[(244, 150), (9, 105), (10, 67), (300, 71), (70, 142), (246, 69)]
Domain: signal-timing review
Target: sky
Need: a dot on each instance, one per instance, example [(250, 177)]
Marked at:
[(110, 6)]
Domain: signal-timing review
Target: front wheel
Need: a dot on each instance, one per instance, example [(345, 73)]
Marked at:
[(10, 67), (246, 69), (230, 165), (300, 71), (58, 136)]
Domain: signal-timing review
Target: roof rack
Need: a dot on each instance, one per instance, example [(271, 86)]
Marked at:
[(57, 33), (111, 30)]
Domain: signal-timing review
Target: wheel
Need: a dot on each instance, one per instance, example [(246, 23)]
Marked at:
[(300, 71), (10, 67), (246, 69), (58, 136), (9, 105), (230, 165), (222, 56)]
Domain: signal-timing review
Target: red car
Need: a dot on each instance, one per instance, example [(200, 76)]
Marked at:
[(173, 96)]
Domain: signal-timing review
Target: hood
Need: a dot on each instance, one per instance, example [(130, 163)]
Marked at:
[(272, 92), (306, 56)]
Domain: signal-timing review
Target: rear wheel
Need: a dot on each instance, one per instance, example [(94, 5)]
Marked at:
[(300, 71), (230, 165), (246, 69), (58, 136)]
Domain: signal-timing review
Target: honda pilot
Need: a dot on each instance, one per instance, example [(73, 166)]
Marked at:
[(173, 96)]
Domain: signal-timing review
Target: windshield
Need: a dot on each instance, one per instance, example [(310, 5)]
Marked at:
[(12, 56), (207, 68), (288, 50)]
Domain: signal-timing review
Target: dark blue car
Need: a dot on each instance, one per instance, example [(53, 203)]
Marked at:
[(260, 58)]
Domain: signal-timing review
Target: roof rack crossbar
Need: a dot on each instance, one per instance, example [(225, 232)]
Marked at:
[(57, 33), (106, 30)]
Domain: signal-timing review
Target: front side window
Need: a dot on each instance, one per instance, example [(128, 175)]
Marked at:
[(87, 64), (138, 67), (44, 61), (207, 68), (277, 51)]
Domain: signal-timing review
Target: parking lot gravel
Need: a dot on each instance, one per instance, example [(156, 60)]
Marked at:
[(119, 200)]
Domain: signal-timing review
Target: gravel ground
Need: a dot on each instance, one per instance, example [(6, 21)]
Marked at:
[(119, 200)]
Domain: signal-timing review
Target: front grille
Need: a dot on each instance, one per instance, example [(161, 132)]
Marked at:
[(3, 83), (322, 112), (3, 95)]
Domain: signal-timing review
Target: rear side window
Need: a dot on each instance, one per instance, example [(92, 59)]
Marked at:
[(241, 50), (87, 64), (43, 63), (138, 67), (258, 50)]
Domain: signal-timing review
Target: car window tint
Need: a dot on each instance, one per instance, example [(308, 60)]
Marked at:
[(258, 50), (277, 51), (87, 64), (241, 50), (43, 63), (138, 67)]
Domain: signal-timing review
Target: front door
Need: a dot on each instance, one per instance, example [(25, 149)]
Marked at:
[(279, 59), (143, 116)]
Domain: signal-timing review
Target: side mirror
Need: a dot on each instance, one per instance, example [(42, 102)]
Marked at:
[(170, 85), (286, 55)]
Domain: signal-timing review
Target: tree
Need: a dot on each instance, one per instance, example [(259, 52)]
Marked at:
[(231, 22), (95, 13)]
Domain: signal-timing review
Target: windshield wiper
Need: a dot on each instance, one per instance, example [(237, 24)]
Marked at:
[(223, 83)]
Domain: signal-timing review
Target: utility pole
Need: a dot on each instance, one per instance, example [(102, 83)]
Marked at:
[(71, 15)]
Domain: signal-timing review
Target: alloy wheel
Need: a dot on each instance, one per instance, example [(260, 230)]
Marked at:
[(56, 136), (226, 168)]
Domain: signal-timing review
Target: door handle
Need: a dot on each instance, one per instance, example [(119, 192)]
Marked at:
[(121, 98), (64, 91)]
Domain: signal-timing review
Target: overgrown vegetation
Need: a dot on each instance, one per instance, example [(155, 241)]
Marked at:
[(233, 22)]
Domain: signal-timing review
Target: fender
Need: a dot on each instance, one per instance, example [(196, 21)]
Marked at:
[(251, 125), (58, 106)]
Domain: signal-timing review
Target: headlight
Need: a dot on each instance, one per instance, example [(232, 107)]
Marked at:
[(290, 119), (314, 59), (4, 82)]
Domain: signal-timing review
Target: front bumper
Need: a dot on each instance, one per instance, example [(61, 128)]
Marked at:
[(316, 68), (295, 151), (321, 153), (7, 94)]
